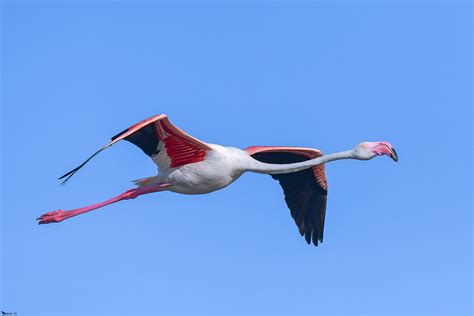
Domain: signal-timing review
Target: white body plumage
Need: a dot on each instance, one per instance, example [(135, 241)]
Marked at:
[(222, 166)]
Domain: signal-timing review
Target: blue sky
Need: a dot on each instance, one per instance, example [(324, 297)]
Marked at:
[(398, 237)]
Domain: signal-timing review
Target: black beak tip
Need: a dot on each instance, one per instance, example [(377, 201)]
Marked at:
[(394, 155)]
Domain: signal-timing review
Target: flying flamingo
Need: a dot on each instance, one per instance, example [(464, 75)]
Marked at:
[(189, 166)]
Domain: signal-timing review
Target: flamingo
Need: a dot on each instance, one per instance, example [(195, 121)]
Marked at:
[(187, 165)]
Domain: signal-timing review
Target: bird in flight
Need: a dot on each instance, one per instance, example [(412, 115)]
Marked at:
[(189, 166)]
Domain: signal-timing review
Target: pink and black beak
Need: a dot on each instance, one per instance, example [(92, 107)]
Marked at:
[(393, 154), (383, 148), (387, 149)]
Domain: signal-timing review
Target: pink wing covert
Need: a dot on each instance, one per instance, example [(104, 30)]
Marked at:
[(309, 153), (180, 148)]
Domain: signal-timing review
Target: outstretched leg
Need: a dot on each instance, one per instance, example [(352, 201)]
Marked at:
[(60, 215)]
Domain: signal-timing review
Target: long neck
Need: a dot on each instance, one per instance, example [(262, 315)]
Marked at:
[(268, 168)]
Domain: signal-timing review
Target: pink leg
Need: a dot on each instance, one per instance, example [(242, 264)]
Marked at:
[(60, 215)]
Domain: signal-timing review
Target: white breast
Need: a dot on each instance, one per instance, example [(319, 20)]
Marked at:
[(221, 167)]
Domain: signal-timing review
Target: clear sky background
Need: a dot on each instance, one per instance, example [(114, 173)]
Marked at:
[(398, 237)]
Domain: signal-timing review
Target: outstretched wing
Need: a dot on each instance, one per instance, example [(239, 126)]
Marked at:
[(305, 191), (166, 144)]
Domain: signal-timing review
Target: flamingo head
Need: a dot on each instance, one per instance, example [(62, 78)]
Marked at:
[(368, 150)]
